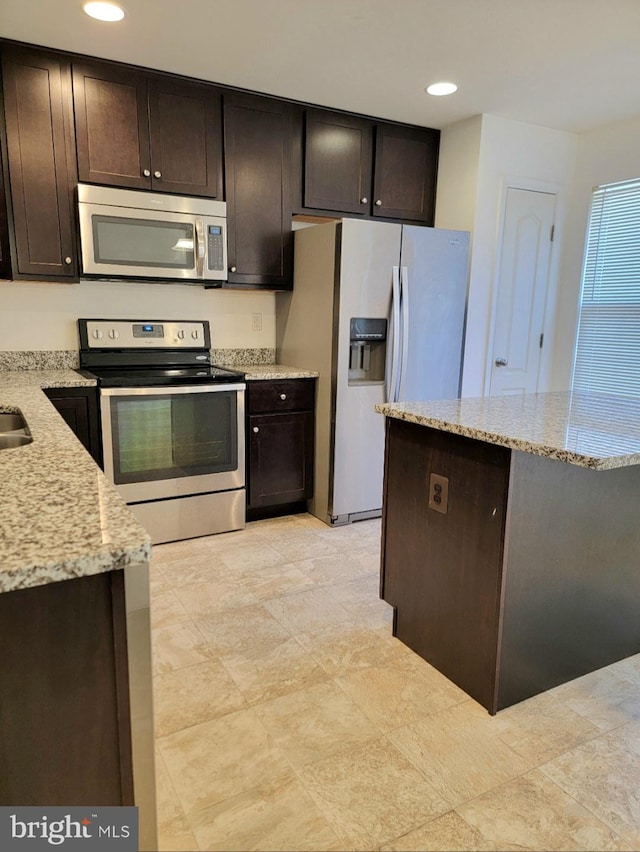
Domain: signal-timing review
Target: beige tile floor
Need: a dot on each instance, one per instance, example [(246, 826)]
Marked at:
[(288, 717)]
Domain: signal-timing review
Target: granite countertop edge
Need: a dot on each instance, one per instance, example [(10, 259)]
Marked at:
[(548, 448), (60, 517), (273, 372)]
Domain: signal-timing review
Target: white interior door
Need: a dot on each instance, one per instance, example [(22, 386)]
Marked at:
[(521, 291)]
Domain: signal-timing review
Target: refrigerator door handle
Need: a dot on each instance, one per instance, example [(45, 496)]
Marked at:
[(404, 323), (391, 385)]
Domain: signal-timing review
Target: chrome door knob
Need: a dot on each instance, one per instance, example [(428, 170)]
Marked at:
[(378, 203), (256, 429), (67, 260), (232, 269), (146, 173), (157, 174), (501, 362), (364, 200), (283, 396)]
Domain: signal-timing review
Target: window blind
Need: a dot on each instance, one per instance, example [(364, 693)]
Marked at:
[(607, 356)]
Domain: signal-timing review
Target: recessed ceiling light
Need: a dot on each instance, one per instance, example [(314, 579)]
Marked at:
[(441, 89), (104, 11)]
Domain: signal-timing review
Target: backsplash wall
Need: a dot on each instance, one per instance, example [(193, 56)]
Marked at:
[(37, 316)]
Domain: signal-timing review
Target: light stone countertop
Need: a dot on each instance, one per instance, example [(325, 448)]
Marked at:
[(600, 432), (264, 372), (59, 516)]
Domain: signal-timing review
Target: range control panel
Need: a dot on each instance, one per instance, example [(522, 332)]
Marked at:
[(142, 334)]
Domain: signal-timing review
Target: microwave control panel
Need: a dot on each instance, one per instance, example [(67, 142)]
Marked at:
[(215, 247)]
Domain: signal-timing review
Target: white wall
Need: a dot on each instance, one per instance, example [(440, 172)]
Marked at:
[(42, 316), (605, 155), (508, 153)]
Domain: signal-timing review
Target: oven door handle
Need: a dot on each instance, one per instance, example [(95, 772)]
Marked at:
[(173, 390), (200, 247)]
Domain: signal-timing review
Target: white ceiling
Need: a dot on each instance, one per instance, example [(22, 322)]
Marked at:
[(567, 64)]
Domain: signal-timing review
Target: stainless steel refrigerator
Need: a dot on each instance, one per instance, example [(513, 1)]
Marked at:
[(378, 310)]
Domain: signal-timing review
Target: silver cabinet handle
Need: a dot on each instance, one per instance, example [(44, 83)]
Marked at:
[(256, 429), (283, 396), (378, 203), (157, 174), (501, 362), (232, 269), (146, 173), (363, 200), (67, 260)]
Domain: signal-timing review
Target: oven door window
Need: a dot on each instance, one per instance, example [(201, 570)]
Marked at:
[(124, 241), (164, 436)]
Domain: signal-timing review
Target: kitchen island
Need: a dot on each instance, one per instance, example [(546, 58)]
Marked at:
[(76, 724), (511, 537)]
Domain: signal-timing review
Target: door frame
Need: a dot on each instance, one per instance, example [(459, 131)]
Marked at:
[(550, 303)]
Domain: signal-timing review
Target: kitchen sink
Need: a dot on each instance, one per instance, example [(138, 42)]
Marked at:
[(8, 440), (14, 431), (10, 422)]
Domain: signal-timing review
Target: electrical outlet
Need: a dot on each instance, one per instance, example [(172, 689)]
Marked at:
[(256, 322), (438, 493)]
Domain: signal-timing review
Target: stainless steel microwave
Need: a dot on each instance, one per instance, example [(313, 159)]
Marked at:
[(125, 233)]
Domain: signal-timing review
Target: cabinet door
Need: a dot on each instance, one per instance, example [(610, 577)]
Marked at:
[(186, 137), (280, 458), (112, 126), (405, 173), (79, 409), (5, 252), (337, 162), (38, 123), (257, 144)]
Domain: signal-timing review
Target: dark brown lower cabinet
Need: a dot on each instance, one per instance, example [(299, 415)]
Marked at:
[(526, 580), (65, 735), (280, 442), (79, 408)]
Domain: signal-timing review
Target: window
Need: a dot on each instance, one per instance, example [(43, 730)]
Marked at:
[(607, 357)]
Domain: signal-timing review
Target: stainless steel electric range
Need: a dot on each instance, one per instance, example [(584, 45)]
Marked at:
[(172, 424)]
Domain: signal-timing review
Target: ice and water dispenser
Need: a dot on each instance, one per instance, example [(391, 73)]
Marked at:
[(367, 350)]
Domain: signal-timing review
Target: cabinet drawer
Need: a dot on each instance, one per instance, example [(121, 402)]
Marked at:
[(283, 395)]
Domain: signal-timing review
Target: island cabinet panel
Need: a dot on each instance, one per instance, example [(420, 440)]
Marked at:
[(37, 106), (280, 442), (572, 586), (443, 571), (258, 153), (338, 153), (528, 580), (64, 715), (404, 182), (147, 131)]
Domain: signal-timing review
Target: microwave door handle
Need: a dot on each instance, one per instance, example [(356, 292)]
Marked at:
[(199, 247)]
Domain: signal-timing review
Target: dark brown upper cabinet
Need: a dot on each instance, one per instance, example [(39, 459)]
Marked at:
[(338, 153), (147, 131), (404, 179), (358, 166), (39, 154), (257, 145)]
